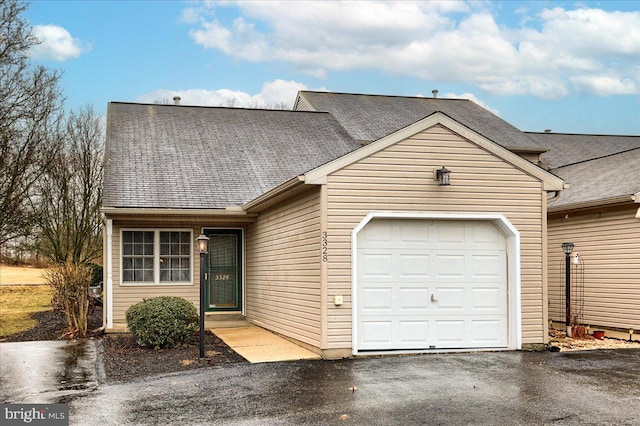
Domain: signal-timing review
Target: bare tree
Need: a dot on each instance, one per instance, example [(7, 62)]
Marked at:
[(68, 221), (30, 111)]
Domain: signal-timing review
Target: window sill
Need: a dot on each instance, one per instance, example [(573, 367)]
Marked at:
[(133, 284)]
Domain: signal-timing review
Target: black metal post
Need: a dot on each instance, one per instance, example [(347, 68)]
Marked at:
[(567, 291), (202, 301)]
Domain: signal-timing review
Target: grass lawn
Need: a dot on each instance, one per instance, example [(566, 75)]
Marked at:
[(17, 303), (20, 275)]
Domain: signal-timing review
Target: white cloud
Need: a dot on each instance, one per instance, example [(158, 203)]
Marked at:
[(473, 98), (56, 43), (551, 53), (274, 94)]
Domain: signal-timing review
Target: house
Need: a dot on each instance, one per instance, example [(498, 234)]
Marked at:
[(600, 214), (327, 224)]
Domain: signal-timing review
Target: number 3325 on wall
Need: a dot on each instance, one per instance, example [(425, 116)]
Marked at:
[(324, 247)]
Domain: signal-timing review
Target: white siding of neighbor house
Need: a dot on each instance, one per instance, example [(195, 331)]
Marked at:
[(127, 295), (608, 242), (283, 284), (400, 178)]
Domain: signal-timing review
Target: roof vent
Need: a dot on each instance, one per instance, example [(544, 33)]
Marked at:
[(435, 93), (176, 100), (547, 130)]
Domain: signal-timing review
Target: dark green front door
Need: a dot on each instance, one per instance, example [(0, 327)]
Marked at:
[(224, 289)]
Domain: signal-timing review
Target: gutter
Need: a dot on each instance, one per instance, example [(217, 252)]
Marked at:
[(595, 203), (155, 211)]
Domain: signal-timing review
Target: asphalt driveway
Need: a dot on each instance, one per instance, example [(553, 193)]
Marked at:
[(576, 388), (565, 388)]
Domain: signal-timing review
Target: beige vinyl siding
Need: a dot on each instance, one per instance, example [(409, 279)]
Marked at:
[(303, 105), (283, 269), (609, 245), (129, 294), (400, 178)]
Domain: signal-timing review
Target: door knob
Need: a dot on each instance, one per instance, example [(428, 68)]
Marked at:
[(433, 299)]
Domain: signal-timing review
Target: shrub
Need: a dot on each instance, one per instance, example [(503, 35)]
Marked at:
[(162, 322), (96, 273), (70, 284)]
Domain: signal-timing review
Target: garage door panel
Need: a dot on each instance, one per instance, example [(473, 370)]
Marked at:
[(488, 332), (413, 265), (450, 233), (449, 299), (376, 265), (414, 299), (488, 266), (377, 299), (376, 333), (413, 334), (430, 284), (449, 265), (487, 299), (449, 333)]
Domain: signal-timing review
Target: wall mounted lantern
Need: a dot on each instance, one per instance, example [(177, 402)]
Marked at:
[(203, 246), (442, 176)]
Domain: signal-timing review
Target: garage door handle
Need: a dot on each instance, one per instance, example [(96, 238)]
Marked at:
[(433, 299)]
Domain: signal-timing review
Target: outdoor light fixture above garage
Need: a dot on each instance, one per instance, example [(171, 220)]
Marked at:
[(442, 176)]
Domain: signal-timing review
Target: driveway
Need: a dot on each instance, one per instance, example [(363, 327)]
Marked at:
[(566, 388)]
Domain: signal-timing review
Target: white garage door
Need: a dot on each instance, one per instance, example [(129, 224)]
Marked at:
[(431, 284)]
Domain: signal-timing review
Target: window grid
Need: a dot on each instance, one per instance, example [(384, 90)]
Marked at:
[(156, 256), (175, 256)]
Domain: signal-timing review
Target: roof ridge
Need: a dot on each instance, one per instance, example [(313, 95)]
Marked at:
[(383, 96), (599, 158), (219, 107), (581, 134)]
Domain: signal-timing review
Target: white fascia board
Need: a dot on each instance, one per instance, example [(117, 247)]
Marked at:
[(594, 203), (229, 211), (550, 182)]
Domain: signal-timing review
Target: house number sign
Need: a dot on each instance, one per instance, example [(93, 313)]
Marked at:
[(324, 247), (221, 277)]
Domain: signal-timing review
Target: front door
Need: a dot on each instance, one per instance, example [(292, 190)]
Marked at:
[(224, 290)]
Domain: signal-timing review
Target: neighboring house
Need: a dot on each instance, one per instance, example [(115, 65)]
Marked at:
[(600, 214), (329, 227)]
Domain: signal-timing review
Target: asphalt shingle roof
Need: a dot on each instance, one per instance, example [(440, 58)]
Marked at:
[(175, 156), (600, 179), (371, 117), (564, 149)]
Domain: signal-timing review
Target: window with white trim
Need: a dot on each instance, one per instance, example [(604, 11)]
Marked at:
[(157, 256)]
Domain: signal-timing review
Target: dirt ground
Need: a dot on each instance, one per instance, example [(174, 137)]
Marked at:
[(559, 339), (20, 275)]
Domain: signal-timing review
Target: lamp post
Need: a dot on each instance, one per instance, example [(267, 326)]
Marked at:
[(203, 243), (567, 248)]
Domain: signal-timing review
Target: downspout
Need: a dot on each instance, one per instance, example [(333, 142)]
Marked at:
[(109, 261)]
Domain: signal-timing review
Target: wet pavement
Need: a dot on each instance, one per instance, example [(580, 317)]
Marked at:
[(565, 388), (46, 372)]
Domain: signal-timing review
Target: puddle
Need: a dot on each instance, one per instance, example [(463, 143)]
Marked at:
[(46, 371)]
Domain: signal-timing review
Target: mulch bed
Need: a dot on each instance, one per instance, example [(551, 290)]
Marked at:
[(123, 359)]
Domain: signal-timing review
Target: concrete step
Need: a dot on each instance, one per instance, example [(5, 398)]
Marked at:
[(225, 320)]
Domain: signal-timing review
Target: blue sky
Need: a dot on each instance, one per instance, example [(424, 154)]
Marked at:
[(567, 66)]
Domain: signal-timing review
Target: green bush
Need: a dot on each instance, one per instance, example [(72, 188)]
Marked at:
[(96, 274), (162, 322)]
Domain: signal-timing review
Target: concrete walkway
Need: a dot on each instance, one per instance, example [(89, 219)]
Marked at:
[(256, 344)]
